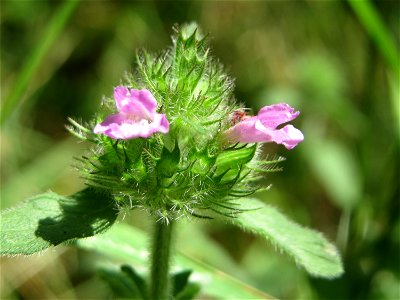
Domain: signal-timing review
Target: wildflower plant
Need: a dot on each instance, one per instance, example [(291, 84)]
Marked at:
[(173, 141)]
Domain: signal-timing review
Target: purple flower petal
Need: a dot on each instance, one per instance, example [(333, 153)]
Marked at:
[(116, 118), (289, 136), (292, 136), (137, 116), (161, 123), (262, 128), (274, 115), (138, 103)]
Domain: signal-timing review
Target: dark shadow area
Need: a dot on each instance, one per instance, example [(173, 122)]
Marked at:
[(82, 215)]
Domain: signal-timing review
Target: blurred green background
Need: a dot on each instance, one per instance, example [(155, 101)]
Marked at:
[(335, 61)]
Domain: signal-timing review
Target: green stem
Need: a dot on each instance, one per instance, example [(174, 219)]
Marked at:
[(160, 261)]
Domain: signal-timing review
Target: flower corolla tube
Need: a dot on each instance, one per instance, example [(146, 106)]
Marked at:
[(263, 127), (136, 117)]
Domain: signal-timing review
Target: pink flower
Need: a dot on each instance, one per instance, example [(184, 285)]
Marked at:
[(136, 116), (263, 127)]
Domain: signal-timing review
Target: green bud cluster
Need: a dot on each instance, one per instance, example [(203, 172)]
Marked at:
[(192, 168)]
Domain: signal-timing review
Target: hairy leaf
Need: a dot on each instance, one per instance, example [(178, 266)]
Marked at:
[(49, 219), (308, 248)]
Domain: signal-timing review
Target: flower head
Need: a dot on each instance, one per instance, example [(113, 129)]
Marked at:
[(263, 127), (189, 171), (136, 117)]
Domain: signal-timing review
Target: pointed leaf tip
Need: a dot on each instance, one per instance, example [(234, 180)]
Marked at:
[(308, 248)]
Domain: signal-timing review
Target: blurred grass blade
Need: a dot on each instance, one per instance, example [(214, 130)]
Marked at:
[(308, 248), (36, 58), (52, 165), (335, 166), (394, 82), (376, 29), (129, 245)]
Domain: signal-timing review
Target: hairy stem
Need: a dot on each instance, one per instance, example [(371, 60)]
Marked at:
[(160, 261)]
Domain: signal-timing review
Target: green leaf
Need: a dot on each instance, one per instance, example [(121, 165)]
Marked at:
[(130, 245), (308, 248), (49, 219), (180, 280), (189, 292), (137, 279), (182, 288), (121, 284)]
